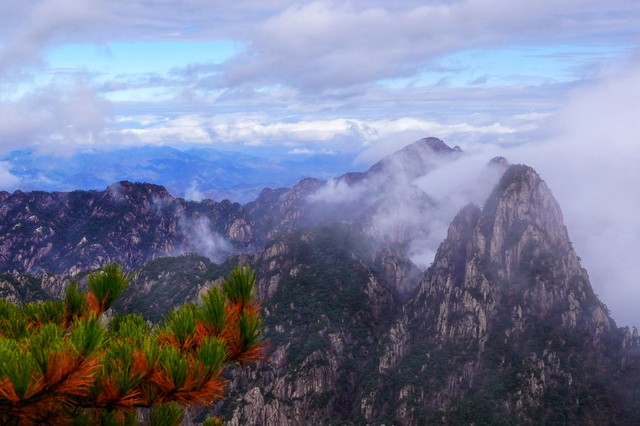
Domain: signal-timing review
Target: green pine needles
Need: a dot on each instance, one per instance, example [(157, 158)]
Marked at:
[(64, 362), (238, 287), (106, 286)]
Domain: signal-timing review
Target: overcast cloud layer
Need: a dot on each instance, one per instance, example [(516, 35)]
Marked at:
[(554, 84), (298, 66)]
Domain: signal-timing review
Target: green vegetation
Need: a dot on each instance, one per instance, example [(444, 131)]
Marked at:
[(169, 281), (323, 274), (66, 362)]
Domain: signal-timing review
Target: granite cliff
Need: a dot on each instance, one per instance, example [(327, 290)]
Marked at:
[(504, 328)]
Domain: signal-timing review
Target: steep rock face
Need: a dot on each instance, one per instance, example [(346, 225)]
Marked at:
[(23, 288), (505, 302), (131, 223), (523, 240), (517, 246), (326, 306), (398, 271)]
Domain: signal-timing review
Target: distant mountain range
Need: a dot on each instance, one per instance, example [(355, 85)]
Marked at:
[(389, 296), (194, 173)]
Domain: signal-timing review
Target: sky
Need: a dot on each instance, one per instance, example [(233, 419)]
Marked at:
[(553, 84)]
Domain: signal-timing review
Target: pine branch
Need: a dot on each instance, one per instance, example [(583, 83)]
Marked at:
[(60, 362)]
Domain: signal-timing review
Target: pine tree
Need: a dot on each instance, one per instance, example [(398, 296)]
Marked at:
[(65, 362)]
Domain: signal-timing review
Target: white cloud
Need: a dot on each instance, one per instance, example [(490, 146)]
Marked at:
[(8, 182), (337, 191), (591, 165), (306, 151), (193, 193), (203, 239), (186, 129), (326, 44), (301, 151), (251, 128), (54, 119), (43, 23), (305, 136)]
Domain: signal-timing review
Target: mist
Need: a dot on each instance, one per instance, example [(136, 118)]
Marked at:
[(409, 199), (588, 153), (591, 163), (470, 179), (203, 239)]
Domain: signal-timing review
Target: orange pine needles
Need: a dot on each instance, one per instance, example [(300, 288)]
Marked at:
[(63, 360), (7, 392), (94, 306), (242, 333)]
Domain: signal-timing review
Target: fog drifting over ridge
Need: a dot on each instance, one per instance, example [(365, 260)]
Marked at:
[(407, 200), (588, 152), (591, 162), (593, 174)]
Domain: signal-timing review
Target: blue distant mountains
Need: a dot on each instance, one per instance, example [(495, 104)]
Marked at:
[(194, 173)]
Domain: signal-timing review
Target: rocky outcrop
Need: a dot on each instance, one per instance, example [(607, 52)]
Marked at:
[(22, 288), (131, 223), (504, 294), (504, 326), (516, 248), (135, 222)]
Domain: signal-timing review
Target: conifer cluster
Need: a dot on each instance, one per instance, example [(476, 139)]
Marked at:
[(65, 362)]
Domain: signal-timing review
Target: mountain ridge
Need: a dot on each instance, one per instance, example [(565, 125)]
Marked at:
[(487, 338), (194, 173), (147, 221), (503, 326)]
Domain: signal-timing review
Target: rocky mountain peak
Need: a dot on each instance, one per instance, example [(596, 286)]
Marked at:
[(415, 159), (136, 190), (435, 144), (521, 212), (511, 260), (523, 239), (506, 296), (499, 161)]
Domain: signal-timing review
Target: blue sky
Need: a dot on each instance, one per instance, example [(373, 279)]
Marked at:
[(501, 65), (298, 76), (551, 83)]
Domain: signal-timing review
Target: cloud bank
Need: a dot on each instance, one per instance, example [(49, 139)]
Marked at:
[(591, 164), (325, 44), (308, 70)]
